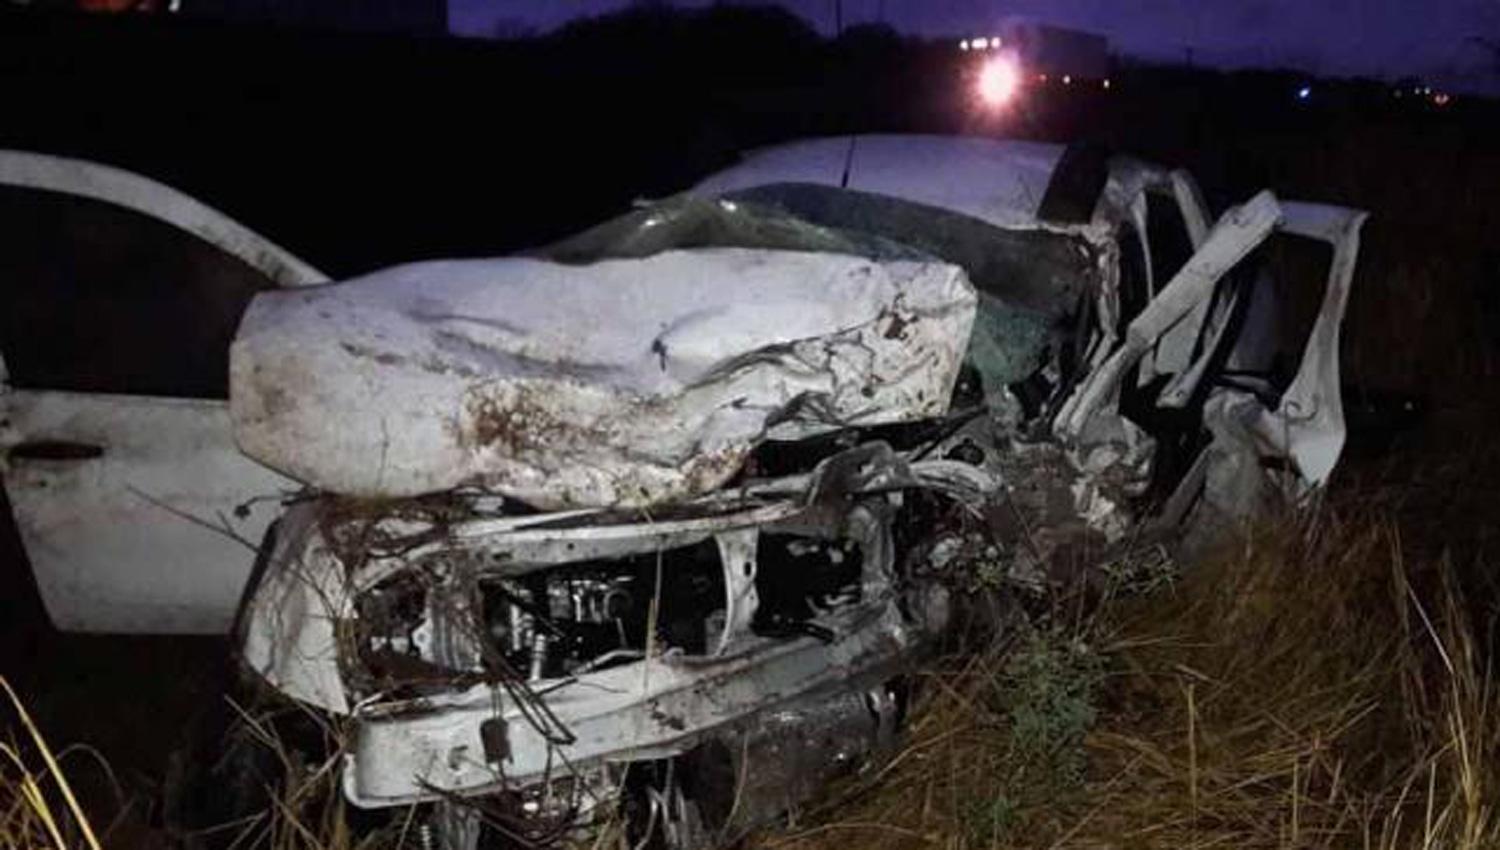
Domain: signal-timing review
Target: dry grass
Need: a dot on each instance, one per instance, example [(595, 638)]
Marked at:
[(1327, 682), (38, 808), (1316, 686), (1323, 683), (306, 809)]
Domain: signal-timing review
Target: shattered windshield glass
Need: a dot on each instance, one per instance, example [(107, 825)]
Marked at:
[(685, 222), (1029, 281), (1033, 269)]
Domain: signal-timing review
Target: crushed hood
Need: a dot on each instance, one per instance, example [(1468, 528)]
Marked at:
[(621, 383)]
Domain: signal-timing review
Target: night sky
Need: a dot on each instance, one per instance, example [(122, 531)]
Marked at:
[(1385, 38)]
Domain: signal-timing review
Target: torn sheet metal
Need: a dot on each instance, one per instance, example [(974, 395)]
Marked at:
[(288, 629), (1257, 450), (1236, 234), (324, 555), (1308, 424), (320, 623), (621, 383), (1262, 453), (654, 709)]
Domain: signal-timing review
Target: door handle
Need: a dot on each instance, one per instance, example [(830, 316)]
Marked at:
[(54, 450)]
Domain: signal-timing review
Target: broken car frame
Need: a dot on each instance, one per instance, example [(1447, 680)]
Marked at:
[(504, 621)]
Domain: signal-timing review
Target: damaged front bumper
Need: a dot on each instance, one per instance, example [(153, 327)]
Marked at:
[(478, 653), (419, 750)]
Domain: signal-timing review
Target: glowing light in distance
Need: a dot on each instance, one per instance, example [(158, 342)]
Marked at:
[(963, 45), (999, 80), (1304, 93)]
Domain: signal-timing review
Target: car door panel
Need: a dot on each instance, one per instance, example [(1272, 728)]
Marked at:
[(124, 189), (118, 297), (138, 514)]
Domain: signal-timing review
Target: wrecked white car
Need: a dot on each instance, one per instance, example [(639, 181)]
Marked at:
[(652, 521)]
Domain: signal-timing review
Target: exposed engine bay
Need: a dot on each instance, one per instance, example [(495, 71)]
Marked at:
[(485, 652)]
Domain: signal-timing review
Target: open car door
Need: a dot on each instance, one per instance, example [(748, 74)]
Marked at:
[(118, 300)]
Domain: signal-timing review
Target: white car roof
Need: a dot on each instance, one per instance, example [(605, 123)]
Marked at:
[(1000, 181)]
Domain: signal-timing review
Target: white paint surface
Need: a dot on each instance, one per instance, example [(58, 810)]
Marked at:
[(119, 542), (622, 383), (126, 189), (1000, 181)]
